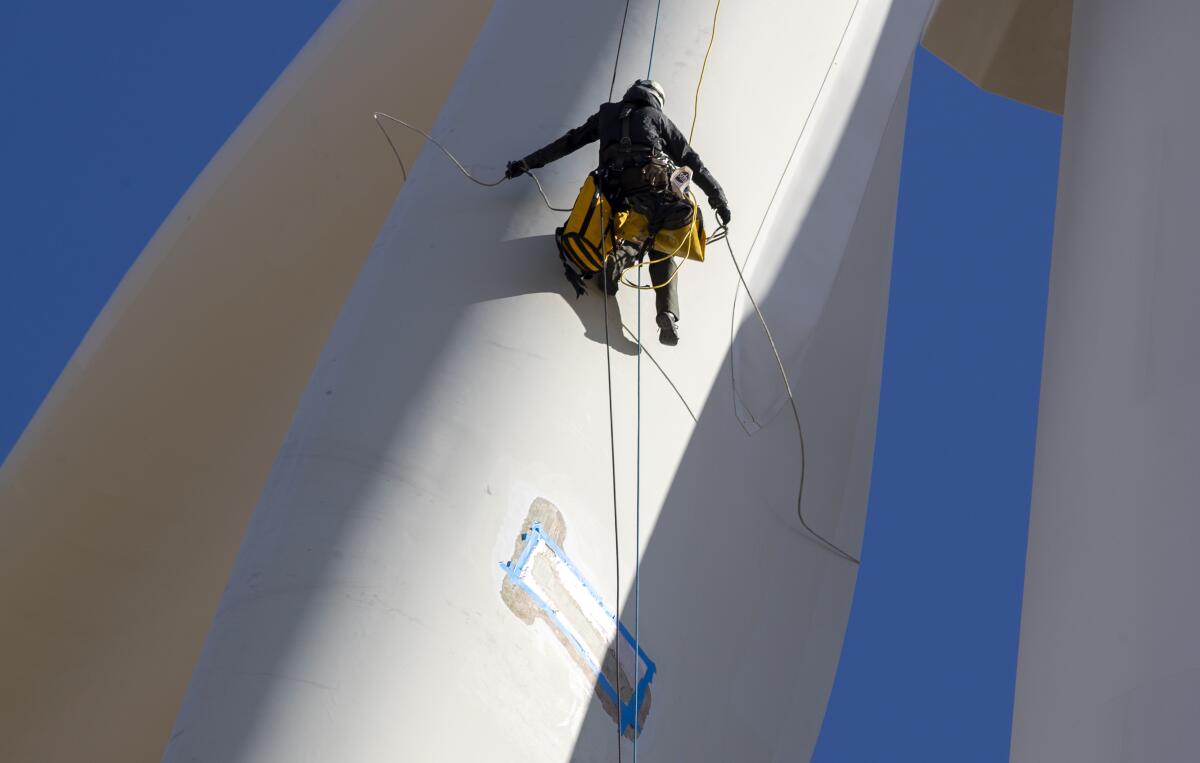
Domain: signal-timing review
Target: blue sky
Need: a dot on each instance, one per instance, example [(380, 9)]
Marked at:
[(110, 110), (929, 660)]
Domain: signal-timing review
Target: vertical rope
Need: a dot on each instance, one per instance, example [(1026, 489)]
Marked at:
[(704, 66), (812, 107), (612, 449), (762, 319), (612, 442), (616, 60), (637, 570), (787, 385), (653, 38), (637, 558)]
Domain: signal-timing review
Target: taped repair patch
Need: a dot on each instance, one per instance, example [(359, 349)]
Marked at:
[(541, 581)]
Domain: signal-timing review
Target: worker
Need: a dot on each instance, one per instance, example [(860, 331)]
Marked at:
[(635, 138)]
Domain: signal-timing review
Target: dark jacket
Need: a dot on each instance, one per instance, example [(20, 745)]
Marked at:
[(648, 126)]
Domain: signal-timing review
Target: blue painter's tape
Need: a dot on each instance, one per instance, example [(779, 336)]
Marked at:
[(514, 570)]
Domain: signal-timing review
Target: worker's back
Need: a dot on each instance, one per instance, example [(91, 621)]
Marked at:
[(649, 128)]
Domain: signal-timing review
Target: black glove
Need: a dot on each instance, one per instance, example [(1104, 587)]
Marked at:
[(724, 215), (516, 169)]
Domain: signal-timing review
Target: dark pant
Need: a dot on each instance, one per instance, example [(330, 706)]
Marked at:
[(666, 298), (663, 211), (663, 276)]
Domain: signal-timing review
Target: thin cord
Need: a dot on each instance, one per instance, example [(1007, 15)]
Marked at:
[(637, 559), (637, 573), (612, 445), (435, 142), (612, 436), (612, 450), (779, 184), (762, 319), (649, 66), (466, 173), (696, 101), (795, 413), (388, 138), (695, 112), (613, 85)]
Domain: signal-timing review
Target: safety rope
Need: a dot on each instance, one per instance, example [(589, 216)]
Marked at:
[(612, 449), (762, 319), (617, 59), (466, 173), (637, 555), (720, 234), (795, 414), (696, 101), (779, 183), (608, 369), (637, 526), (712, 36), (653, 38)]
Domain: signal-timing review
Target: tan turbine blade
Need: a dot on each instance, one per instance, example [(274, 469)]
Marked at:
[(124, 502)]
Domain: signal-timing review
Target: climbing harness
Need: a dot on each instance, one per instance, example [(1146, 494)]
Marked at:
[(583, 249), (635, 165)]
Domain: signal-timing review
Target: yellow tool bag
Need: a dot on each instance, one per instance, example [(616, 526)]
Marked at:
[(579, 239)]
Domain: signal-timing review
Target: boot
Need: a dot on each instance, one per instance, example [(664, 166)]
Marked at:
[(668, 329)]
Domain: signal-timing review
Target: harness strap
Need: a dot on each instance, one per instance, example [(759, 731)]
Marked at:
[(625, 153)]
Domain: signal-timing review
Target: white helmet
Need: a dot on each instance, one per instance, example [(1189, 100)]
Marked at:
[(652, 88)]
